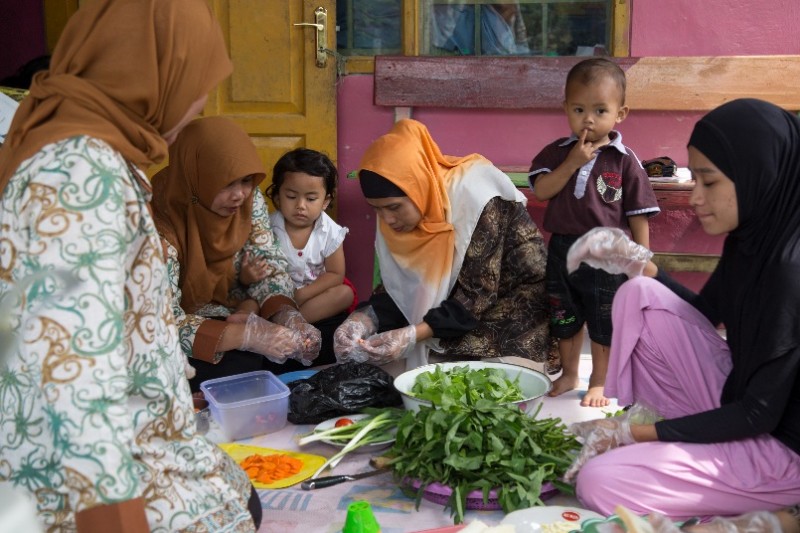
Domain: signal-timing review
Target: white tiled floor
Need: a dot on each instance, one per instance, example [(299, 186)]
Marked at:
[(568, 405), (568, 408)]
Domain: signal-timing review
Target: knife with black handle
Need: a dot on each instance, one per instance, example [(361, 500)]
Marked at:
[(329, 481)]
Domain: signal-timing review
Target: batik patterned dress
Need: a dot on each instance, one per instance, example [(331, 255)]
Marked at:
[(501, 283), (261, 243), (94, 404)]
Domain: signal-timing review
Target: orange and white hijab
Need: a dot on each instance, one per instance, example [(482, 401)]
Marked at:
[(419, 268)]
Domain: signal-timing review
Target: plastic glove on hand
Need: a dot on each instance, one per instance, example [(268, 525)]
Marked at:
[(609, 249), (289, 317), (759, 521), (389, 345), (358, 326), (599, 436), (293, 319), (312, 343), (271, 340)]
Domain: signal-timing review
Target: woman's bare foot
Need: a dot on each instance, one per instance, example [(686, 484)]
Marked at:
[(594, 397), (564, 384)]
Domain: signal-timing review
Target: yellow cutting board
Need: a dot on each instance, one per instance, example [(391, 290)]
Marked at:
[(310, 463)]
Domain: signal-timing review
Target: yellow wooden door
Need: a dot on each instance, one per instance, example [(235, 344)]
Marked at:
[(277, 92)]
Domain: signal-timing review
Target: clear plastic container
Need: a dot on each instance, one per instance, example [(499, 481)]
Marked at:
[(247, 404)]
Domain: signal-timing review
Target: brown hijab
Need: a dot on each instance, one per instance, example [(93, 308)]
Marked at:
[(210, 154), (125, 71)]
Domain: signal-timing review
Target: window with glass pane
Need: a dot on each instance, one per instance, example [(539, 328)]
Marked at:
[(477, 27), (524, 27), (369, 27)]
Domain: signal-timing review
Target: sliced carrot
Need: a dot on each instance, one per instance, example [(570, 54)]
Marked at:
[(270, 468)]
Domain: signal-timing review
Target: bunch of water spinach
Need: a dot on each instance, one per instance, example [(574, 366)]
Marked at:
[(482, 446)]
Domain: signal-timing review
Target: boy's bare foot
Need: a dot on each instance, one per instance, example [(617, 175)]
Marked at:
[(594, 397), (564, 384)]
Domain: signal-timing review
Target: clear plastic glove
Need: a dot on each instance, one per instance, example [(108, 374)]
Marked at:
[(599, 436), (609, 249), (389, 345), (604, 434), (755, 522), (358, 326), (312, 338), (271, 340)]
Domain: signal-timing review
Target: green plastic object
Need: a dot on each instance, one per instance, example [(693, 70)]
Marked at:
[(360, 519)]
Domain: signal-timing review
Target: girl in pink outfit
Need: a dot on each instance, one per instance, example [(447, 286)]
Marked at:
[(728, 436)]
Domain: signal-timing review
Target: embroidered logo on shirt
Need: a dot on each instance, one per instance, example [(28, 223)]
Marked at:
[(609, 185)]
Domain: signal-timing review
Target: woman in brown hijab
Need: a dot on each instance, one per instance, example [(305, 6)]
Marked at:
[(98, 424), (233, 295)]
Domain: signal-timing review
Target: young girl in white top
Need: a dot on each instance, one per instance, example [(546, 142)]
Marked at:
[(303, 185)]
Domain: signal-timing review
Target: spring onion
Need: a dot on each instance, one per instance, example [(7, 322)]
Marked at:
[(379, 427)]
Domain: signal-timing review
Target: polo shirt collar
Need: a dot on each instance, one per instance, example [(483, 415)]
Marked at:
[(616, 141)]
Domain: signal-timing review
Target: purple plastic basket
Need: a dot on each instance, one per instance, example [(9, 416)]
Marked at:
[(440, 494)]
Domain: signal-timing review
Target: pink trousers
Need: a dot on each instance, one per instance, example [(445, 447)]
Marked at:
[(669, 356)]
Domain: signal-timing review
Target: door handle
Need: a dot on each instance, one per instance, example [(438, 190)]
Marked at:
[(321, 25)]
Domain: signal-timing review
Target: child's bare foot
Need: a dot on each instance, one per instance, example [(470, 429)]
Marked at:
[(595, 398), (564, 384)]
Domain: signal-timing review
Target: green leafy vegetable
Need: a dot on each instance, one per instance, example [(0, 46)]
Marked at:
[(462, 384), (483, 446)]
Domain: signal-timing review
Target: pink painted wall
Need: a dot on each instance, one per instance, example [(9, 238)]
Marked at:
[(658, 28), (714, 27)]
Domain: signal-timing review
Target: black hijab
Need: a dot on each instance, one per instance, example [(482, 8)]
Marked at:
[(757, 145)]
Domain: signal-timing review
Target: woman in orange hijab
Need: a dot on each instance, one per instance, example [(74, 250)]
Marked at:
[(98, 423), (233, 295), (461, 261)]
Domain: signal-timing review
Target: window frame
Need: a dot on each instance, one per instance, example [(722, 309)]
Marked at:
[(411, 36)]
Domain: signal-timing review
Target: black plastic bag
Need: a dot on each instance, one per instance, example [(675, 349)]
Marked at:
[(340, 390)]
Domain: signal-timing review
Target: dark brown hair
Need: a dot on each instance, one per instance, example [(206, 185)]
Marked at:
[(594, 69), (305, 160)]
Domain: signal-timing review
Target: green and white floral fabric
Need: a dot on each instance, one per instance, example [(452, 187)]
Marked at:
[(261, 243), (94, 404)]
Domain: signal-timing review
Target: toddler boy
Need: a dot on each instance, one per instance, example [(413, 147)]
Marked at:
[(590, 179)]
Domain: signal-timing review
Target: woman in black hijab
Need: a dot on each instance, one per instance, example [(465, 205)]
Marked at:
[(728, 439)]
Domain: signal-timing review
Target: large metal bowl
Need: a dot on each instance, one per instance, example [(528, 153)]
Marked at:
[(534, 384)]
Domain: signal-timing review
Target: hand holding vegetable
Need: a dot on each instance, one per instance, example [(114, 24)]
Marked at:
[(599, 437), (312, 338), (358, 326), (604, 434), (609, 249), (274, 342), (390, 345)]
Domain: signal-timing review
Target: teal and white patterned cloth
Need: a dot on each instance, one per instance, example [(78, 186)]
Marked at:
[(94, 404), (261, 243)]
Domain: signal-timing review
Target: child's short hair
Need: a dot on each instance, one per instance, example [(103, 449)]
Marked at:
[(305, 160), (593, 69)]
